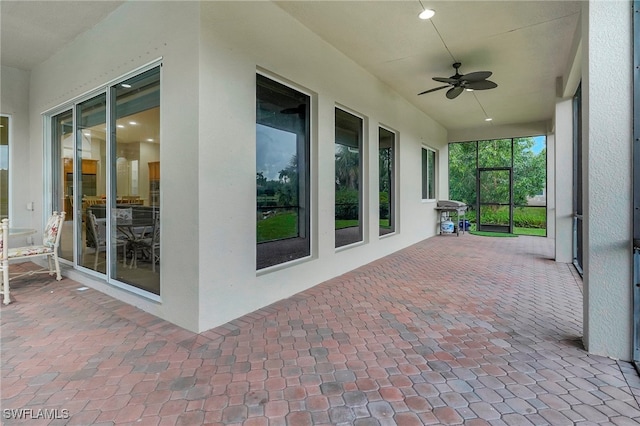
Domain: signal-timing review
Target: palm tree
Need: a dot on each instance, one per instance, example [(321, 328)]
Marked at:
[(347, 168)]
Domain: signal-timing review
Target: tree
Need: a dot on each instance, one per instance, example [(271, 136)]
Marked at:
[(347, 168), (287, 193), (529, 169)]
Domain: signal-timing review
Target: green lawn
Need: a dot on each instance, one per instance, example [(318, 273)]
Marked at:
[(279, 226), (284, 225), (343, 223), (538, 232), (519, 230)]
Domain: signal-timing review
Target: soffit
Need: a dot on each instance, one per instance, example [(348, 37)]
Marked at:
[(526, 44), (32, 31)]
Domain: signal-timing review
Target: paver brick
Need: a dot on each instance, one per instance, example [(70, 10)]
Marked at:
[(411, 338)]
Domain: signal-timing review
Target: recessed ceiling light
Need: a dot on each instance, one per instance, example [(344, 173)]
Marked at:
[(150, 140), (488, 119), (126, 86), (469, 90), (133, 123), (427, 14), (120, 126)]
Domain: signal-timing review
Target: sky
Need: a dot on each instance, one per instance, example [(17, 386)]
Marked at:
[(540, 143), (274, 150)]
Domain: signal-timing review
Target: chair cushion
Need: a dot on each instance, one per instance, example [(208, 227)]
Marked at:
[(51, 231), (29, 251)]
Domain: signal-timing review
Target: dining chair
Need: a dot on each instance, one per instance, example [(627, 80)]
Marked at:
[(148, 244), (97, 237), (48, 248), (4, 260)]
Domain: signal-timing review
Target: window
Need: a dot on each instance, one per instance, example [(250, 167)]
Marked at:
[(428, 174), (386, 159), (282, 173), (4, 167), (348, 178)]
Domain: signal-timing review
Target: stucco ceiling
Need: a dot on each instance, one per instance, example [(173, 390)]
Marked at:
[(526, 44)]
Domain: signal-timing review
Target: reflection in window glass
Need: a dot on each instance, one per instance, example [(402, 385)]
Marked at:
[(348, 166), (386, 156), (91, 175), (135, 185), (4, 167), (62, 178), (282, 173), (428, 174)]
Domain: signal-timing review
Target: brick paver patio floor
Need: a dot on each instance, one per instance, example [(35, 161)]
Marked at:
[(452, 330)]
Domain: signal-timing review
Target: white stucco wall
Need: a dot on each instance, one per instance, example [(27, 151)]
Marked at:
[(607, 134), (551, 190), (237, 39), (14, 102), (136, 34), (563, 185), (207, 149)]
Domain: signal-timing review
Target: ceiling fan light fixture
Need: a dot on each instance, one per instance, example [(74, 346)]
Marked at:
[(427, 14)]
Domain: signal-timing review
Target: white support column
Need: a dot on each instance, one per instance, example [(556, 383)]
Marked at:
[(607, 90), (563, 171), (551, 186)]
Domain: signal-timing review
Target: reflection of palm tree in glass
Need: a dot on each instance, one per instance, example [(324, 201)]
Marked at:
[(288, 191), (385, 169), (347, 168)]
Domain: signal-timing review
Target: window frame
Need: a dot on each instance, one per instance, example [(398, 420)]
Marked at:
[(362, 143), (9, 133), (425, 181), (53, 187), (306, 199), (393, 181)]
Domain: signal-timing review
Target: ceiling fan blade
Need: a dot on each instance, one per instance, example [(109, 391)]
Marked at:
[(300, 109), (477, 76), (433, 90), (446, 80), (454, 92), (481, 85)]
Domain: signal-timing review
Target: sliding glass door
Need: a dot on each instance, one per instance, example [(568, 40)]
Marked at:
[(63, 178), (135, 181), (4, 166), (105, 175)]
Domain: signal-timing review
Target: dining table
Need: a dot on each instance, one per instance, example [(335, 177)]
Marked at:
[(136, 232)]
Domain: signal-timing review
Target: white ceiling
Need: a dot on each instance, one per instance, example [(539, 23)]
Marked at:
[(526, 44)]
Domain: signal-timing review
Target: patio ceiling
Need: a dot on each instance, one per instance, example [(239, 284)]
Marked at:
[(526, 44)]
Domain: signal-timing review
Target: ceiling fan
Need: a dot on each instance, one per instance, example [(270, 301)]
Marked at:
[(460, 82)]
